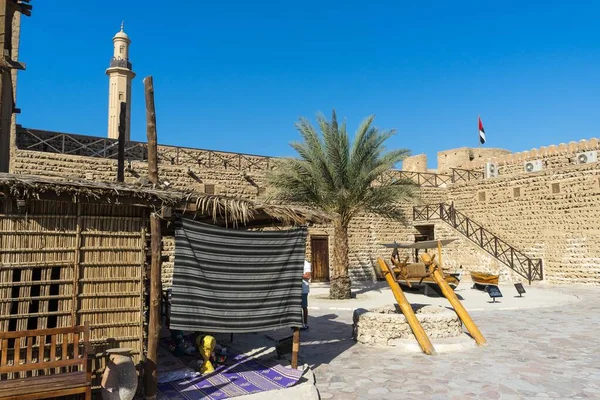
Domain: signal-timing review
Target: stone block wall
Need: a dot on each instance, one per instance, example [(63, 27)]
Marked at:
[(416, 163), (552, 157), (223, 181), (465, 156), (553, 214)]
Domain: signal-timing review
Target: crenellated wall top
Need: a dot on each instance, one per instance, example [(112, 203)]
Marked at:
[(539, 153)]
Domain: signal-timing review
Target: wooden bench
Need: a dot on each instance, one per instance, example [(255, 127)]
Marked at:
[(46, 363)]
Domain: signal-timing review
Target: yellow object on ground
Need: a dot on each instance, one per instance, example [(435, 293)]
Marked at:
[(206, 346)]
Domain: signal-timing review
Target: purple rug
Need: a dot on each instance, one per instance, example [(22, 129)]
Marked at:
[(245, 376)]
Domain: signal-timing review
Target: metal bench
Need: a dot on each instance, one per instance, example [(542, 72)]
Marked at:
[(45, 363)]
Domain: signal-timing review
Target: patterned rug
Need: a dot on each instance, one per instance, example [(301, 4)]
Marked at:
[(245, 376)]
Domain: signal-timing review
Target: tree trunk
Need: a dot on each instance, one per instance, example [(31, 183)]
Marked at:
[(340, 285)]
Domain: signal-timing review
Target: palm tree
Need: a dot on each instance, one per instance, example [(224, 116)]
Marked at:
[(341, 178)]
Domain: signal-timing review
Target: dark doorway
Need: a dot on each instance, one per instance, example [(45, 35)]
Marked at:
[(425, 232), (320, 258)]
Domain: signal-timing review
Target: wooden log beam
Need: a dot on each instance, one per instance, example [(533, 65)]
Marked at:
[(150, 369), (295, 347), (455, 302), (407, 310), (151, 131), (121, 152)]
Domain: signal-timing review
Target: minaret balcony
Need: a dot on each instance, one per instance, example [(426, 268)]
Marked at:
[(120, 63)]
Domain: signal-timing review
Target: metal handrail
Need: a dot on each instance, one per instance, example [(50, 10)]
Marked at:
[(525, 266)]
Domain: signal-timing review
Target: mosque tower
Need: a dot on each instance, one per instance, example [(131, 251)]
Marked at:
[(120, 76)]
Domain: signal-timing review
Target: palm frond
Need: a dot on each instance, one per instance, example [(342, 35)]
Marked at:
[(340, 177)]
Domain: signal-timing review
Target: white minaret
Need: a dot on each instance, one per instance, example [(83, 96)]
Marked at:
[(119, 78)]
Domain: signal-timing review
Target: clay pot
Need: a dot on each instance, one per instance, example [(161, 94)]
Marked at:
[(120, 379)]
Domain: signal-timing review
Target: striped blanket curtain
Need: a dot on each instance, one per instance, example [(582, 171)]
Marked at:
[(236, 281)]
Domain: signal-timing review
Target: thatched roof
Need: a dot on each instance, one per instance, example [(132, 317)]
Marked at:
[(222, 210)]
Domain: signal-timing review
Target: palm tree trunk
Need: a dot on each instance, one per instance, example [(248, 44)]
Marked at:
[(340, 284)]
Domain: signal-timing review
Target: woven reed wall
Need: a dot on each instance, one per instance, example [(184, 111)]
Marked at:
[(63, 263)]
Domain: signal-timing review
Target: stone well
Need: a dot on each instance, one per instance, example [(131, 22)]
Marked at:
[(387, 326)]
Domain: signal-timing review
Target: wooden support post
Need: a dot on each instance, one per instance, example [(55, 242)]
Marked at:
[(150, 371), (456, 304), (151, 130), (121, 153), (407, 310), (295, 347)]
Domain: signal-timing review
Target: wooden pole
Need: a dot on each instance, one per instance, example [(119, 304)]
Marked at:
[(6, 105), (456, 304), (121, 155), (151, 130), (151, 373), (407, 310), (295, 347)]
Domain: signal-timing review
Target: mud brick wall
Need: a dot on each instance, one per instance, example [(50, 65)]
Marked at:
[(367, 233), (552, 157), (465, 156), (416, 163), (553, 214), (223, 181)]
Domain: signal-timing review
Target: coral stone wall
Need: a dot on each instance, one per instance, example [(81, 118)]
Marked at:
[(465, 156), (416, 163), (553, 214), (552, 157)]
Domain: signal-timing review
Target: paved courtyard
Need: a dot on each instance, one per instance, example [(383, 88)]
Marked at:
[(532, 352)]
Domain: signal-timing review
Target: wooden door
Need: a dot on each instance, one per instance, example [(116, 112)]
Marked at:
[(320, 258)]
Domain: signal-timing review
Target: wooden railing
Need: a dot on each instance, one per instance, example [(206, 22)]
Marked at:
[(91, 146), (465, 175), (427, 179), (525, 266)]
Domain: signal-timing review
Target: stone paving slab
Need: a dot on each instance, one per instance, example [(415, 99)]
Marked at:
[(379, 294), (550, 348)]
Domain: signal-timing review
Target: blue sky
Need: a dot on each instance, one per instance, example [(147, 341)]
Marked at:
[(236, 75)]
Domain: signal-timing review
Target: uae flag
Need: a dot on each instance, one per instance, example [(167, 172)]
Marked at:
[(481, 132)]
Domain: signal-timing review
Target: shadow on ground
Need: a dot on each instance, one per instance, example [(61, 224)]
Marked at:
[(327, 338)]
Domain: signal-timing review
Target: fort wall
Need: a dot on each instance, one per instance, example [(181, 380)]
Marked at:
[(553, 214), (463, 157), (553, 157), (417, 163)]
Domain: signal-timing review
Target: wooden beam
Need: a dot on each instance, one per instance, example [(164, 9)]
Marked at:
[(407, 310), (295, 347), (132, 201), (455, 302), (150, 370), (121, 153), (151, 130)]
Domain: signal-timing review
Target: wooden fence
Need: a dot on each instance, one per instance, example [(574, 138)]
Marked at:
[(65, 263)]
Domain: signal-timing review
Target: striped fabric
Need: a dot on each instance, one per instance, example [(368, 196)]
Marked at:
[(236, 281)]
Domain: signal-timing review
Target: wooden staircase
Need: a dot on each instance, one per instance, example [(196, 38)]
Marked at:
[(527, 267)]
